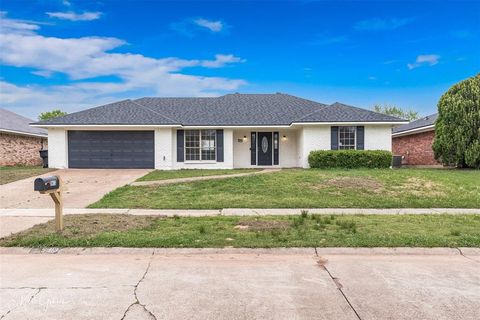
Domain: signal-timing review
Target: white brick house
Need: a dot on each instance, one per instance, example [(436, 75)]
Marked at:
[(232, 131)]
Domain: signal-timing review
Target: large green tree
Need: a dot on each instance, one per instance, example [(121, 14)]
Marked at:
[(457, 129), (397, 112), (47, 115)]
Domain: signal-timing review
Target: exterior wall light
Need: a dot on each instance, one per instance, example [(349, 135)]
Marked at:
[(244, 138), (284, 138)]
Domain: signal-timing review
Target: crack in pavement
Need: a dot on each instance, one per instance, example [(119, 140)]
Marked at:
[(29, 300), (461, 253), (137, 301), (321, 263)]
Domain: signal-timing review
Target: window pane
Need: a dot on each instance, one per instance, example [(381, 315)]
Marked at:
[(192, 145), (200, 145), (208, 144), (346, 137)]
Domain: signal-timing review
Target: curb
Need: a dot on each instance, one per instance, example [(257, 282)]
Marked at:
[(398, 251)]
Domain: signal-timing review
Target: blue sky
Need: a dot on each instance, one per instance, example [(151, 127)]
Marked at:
[(78, 54)]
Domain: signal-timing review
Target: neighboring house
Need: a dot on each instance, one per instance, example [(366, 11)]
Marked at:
[(414, 141), (19, 142), (231, 131)]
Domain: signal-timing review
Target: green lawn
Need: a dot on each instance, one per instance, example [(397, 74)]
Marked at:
[(311, 188), (256, 232), (187, 173), (10, 174)]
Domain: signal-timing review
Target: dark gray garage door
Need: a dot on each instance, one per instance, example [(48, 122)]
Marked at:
[(110, 149)]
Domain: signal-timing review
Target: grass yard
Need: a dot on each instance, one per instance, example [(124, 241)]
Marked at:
[(188, 173), (255, 232), (311, 188), (10, 174)]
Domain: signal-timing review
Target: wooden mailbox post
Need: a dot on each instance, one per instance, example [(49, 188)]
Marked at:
[(52, 186)]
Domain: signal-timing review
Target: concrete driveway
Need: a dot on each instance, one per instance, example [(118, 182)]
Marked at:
[(239, 284), (82, 187)]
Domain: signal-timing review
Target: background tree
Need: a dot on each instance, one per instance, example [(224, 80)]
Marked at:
[(397, 112), (51, 114), (457, 129)]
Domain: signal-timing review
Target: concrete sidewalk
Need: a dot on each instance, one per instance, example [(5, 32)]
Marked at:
[(233, 211), (297, 283)]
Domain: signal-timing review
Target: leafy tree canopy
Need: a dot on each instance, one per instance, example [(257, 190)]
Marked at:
[(457, 129), (51, 114), (397, 112)]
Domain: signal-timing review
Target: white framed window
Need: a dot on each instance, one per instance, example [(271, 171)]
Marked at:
[(200, 145), (347, 138)]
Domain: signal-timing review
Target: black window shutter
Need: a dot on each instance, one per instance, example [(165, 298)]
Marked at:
[(253, 148), (180, 143), (360, 138), (334, 138), (219, 145), (276, 146)]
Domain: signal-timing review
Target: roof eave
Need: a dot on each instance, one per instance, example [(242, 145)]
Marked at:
[(414, 131), (350, 122), (23, 133), (70, 125)]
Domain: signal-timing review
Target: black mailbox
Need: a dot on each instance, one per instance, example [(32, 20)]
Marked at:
[(48, 183)]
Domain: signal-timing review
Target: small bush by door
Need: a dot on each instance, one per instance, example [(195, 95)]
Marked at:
[(350, 159)]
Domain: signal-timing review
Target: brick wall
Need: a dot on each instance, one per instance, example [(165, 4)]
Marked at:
[(416, 148), (20, 150)]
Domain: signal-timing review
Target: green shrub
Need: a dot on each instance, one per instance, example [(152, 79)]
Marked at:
[(350, 159), (457, 129)]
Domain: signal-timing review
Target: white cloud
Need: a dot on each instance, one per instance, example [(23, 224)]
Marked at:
[(16, 26), (66, 3), (378, 24), (214, 26), (72, 16), (87, 58), (424, 60), (221, 60)]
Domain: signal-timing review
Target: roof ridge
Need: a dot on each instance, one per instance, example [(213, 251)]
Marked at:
[(307, 115), (147, 108)]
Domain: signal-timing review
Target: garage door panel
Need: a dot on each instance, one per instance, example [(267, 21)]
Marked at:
[(111, 149)]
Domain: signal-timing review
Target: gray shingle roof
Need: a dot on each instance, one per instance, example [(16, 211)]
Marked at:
[(228, 110), (417, 124), (11, 121)]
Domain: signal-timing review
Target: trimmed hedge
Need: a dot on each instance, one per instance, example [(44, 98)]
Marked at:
[(350, 159)]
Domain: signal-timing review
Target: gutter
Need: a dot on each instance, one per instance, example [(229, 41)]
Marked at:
[(414, 131), (22, 133), (218, 126)]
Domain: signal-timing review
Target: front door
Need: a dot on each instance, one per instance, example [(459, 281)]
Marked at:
[(264, 148)]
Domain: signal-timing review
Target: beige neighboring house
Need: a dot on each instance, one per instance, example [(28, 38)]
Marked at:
[(19, 142)]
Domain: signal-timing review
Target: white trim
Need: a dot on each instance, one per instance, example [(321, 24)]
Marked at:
[(414, 131), (104, 125), (349, 123), (216, 126), (239, 126), (24, 133), (200, 161)]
